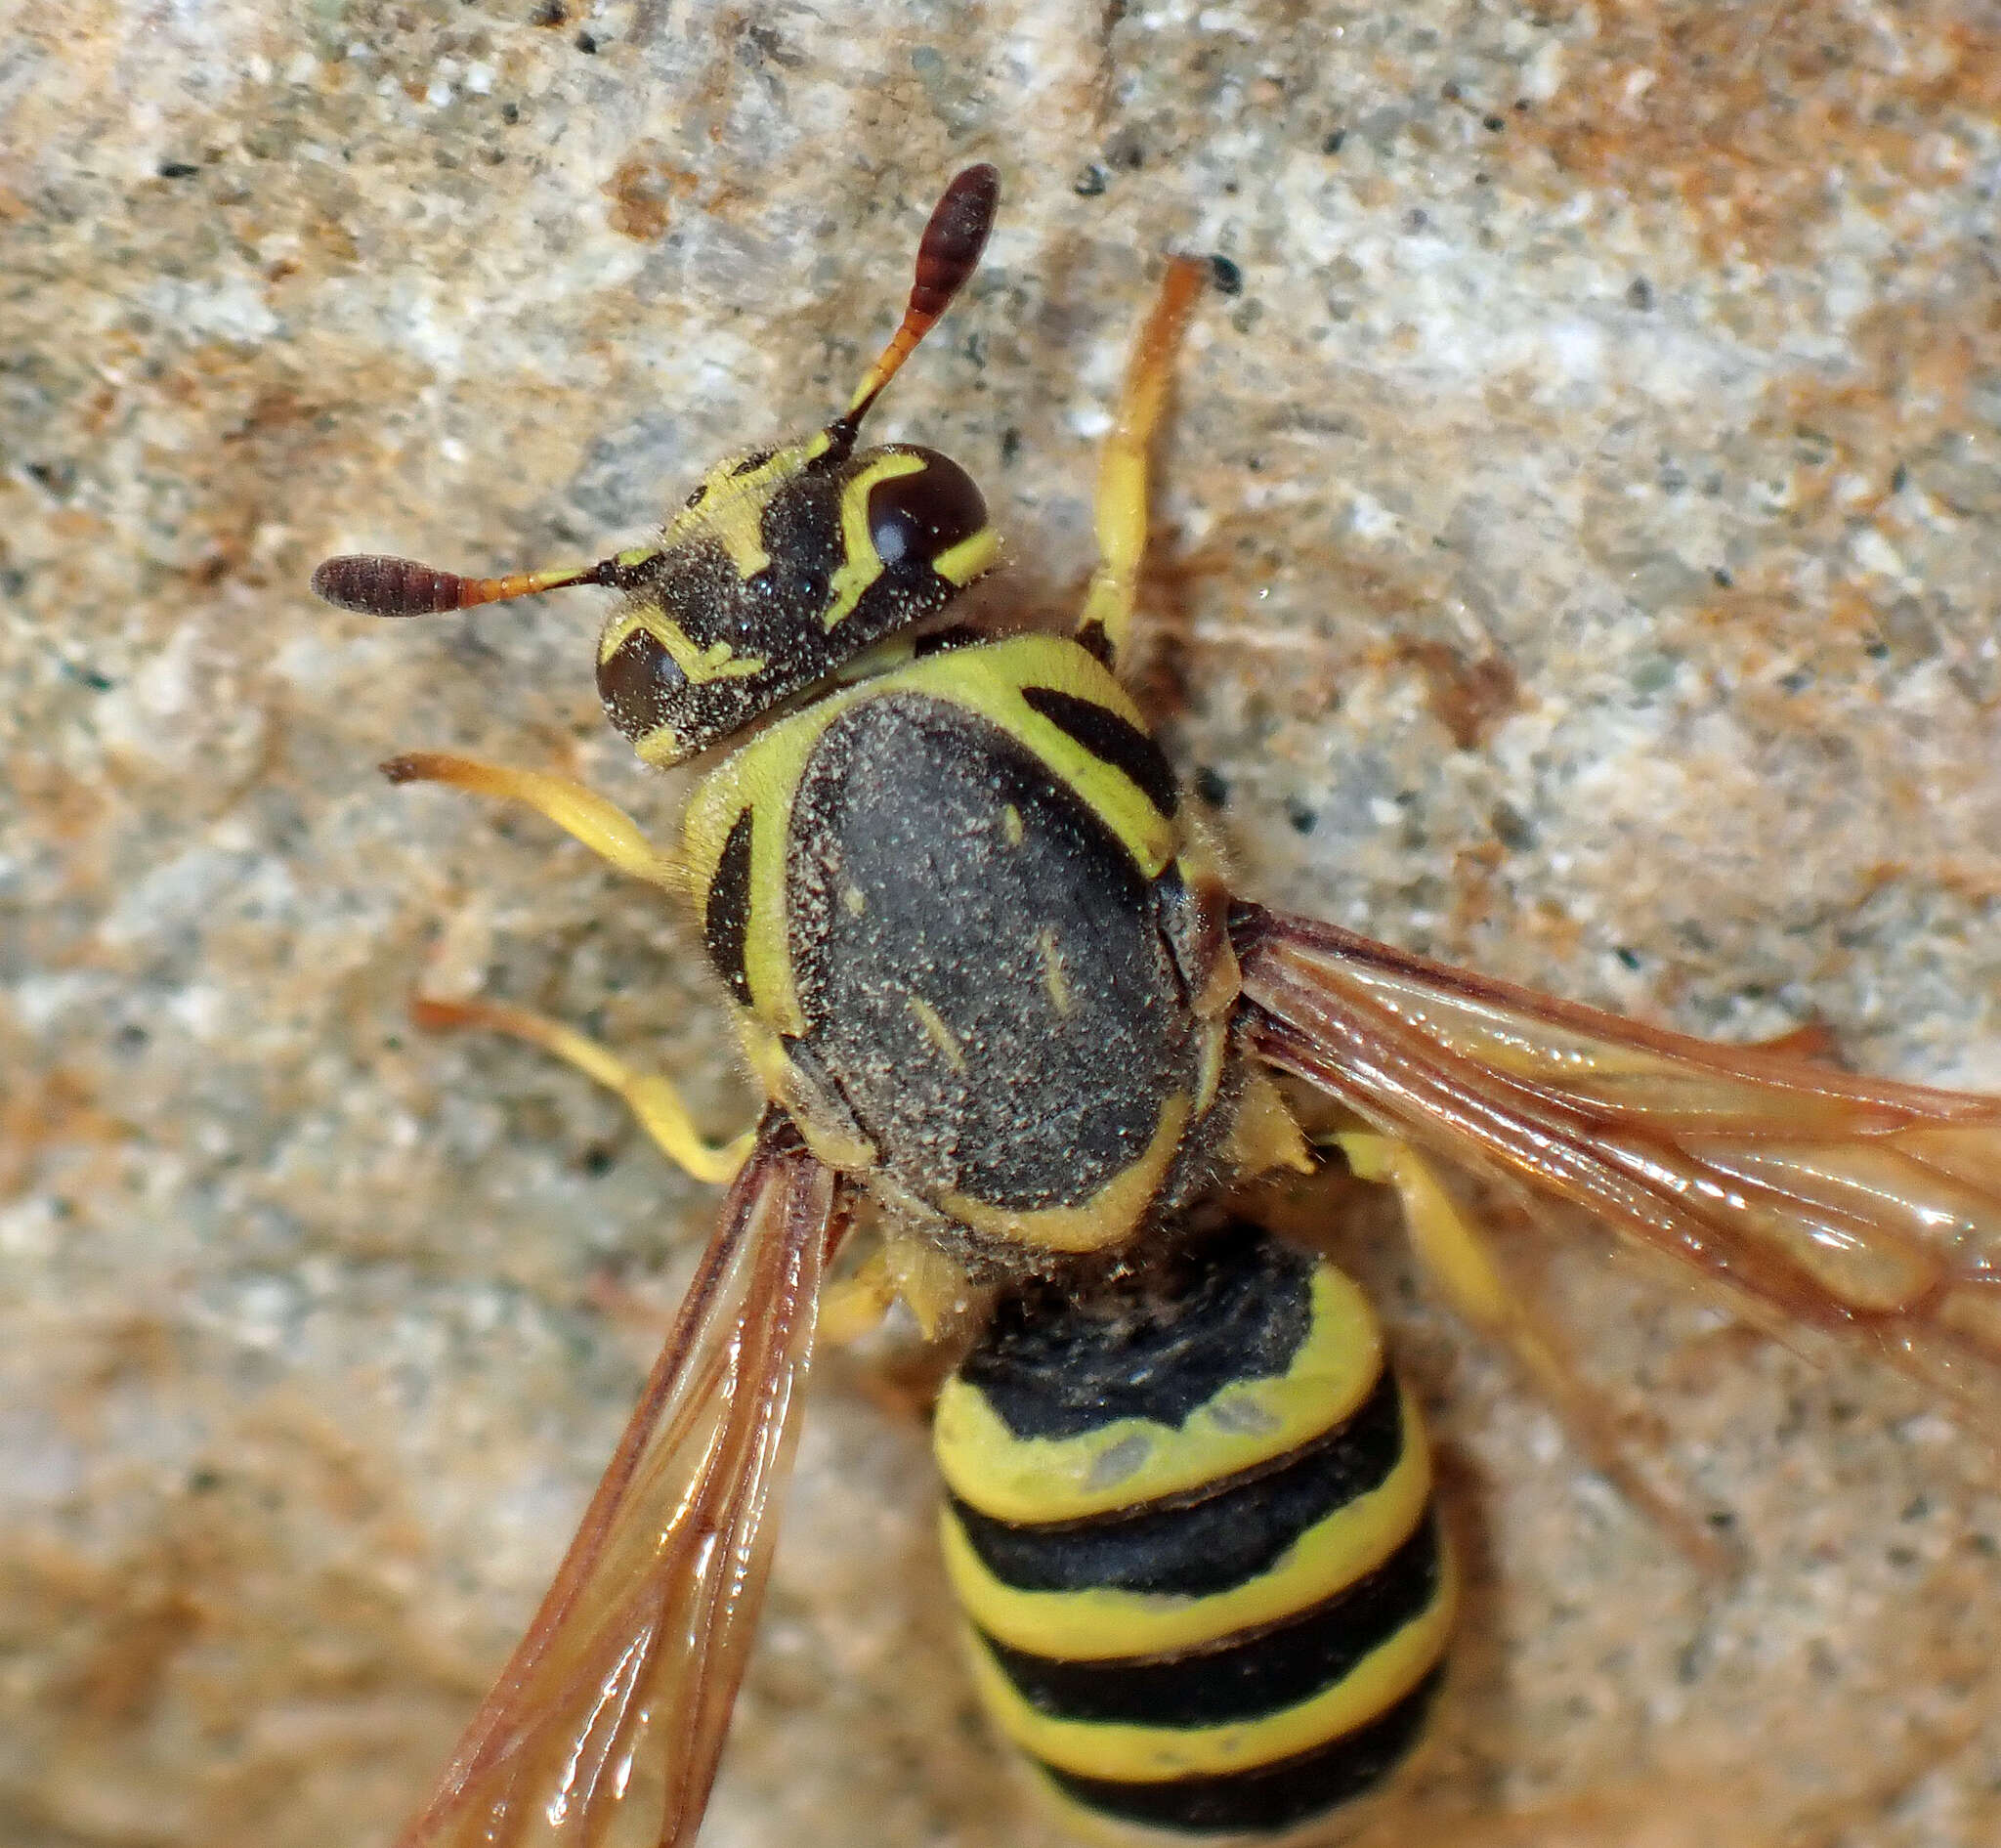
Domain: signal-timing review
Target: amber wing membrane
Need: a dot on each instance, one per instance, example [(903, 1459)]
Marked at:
[(605, 1725), (1844, 1203)]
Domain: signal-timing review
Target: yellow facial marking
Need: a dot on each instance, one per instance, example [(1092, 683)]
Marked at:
[(1010, 825), (860, 561), (937, 1032), (659, 743), (740, 524), (1053, 979), (855, 900), (717, 662), (970, 558), (617, 630), (731, 506)]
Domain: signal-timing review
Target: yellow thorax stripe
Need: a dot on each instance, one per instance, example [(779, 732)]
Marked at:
[(764, 778), (1108, 1218), (987, 681)]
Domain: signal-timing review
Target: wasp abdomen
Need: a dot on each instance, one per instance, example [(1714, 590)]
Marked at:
[(1190, 1521)]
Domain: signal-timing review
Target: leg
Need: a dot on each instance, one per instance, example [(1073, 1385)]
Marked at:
[(852, 1305), (1122, 494), (1814, 1040), (653, 1099), (581, 813), (1457, 1261), (905, 1265)]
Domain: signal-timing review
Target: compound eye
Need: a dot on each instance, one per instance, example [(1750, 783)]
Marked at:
[(639, 684), (915, 518)]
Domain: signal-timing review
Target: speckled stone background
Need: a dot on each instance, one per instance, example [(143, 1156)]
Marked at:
[(1579, 560)]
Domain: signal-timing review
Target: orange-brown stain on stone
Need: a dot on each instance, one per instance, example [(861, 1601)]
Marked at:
[(1479, 897), (44, 1112), (642, 188), (1469, 694), (230, 1562), (1869, 458), (1467, 689), (1763, 121)]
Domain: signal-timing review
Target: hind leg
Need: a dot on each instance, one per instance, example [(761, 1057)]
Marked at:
[(1458, 1261)]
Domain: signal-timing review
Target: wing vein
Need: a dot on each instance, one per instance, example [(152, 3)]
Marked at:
[(1844, 1203), (605, 1725)]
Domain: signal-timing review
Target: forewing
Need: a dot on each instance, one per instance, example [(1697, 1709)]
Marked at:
[(605, 1725), (1843, 1202)]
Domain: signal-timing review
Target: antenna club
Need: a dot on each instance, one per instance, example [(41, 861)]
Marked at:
[(948, 254), (950, 250), (375, 584)]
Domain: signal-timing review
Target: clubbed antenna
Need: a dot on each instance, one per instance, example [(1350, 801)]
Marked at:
[(948, 254), (379, 585)]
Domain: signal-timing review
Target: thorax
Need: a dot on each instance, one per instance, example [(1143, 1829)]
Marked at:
[(972, 942)]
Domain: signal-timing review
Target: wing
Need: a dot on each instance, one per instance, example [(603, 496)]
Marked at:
[(1846, 1203), (605, 1725)]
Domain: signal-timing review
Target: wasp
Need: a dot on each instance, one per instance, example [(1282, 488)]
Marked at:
[(989, 974)]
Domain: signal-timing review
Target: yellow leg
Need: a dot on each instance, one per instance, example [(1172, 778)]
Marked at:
[(580, 812), (652, 1100), (1121, 496), (852, 1307), (933, 1287), (1457, 1260)]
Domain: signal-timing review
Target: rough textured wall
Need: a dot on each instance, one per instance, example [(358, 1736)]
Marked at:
[(1578, 560)]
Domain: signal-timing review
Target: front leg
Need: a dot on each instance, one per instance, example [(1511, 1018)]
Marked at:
[(1123, 473), (578, 809)]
